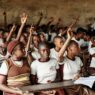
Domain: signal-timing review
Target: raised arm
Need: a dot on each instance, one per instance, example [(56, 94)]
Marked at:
[(23, 21), (74, 22), (11, 31), (29, 39), (28, 54), (40, 19), (51, 19), (69, 37)]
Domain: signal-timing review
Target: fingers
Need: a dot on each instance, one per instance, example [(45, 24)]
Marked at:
[(49, 81), (76, 77), (51, 19), (23, 17), (31, 29), (69, 33), (26, 93), (14, 27)]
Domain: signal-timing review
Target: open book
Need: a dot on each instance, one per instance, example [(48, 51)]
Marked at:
[(88, 81)]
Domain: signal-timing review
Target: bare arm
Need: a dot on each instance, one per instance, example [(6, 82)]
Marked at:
[(29, 56), (23, 21), (51, 19), (11, 31), (40, 19), (5, 88), (69, 36), (29, 39)]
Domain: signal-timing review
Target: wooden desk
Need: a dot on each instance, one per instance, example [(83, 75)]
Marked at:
[(49, 86)]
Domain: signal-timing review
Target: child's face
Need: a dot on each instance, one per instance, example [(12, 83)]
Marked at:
[(42, 37), (74, 49), (44, 51), (19, 51), (80, 35), (59, 42), (35, 40)]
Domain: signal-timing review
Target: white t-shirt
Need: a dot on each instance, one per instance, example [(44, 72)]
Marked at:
[(1, 42), (92, 51), (35, 49), (80, 42), (92, 64), (93, 26), (71, 68), (54, 53), (35, 55), (2, 57), (45, 71), (89, 46), (52, 36)]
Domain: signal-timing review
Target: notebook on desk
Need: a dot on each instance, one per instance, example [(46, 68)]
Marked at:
[(88, 81)]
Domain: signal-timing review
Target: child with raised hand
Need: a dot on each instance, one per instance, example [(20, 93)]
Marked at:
[(15, 71), (72, 66)]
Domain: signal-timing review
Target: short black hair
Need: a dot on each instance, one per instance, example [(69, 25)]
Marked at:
[(43, 44), (81, 30), (72, 42), (57, 37)]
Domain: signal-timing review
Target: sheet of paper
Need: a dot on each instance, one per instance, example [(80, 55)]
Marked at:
[(88, 81)]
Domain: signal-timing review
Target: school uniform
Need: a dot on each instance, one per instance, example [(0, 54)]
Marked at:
[(46, 72), (54, 53), (17, 73), (71, 69)]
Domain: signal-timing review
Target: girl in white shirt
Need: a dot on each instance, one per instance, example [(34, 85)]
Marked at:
[(72, 70), (58, 42), (72, 63)]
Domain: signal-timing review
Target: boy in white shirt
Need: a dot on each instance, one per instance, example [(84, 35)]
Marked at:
[(45, 69)]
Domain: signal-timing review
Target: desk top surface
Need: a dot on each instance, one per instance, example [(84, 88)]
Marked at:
[(48, 86)]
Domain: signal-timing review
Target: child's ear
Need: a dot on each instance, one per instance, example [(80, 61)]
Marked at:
[(13, 51), (69, 49)]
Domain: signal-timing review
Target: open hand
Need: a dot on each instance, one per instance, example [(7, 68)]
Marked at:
[(23, 18), (69, 33)]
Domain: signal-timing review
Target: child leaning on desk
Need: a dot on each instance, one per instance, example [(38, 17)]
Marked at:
[(72, 66)]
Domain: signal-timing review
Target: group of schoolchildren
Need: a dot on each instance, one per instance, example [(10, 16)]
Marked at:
[(43, 54)]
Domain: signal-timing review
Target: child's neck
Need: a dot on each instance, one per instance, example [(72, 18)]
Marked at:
[(70, 56), (57, 49), (44, 59), (15, 58), (36, 46)]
